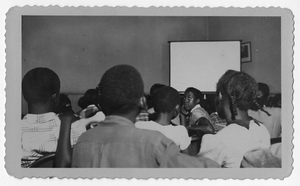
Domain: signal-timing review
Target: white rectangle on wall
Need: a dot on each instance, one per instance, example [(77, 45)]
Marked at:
[(200, 64)]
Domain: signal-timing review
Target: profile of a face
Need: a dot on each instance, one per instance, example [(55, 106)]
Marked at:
[(223, 107)]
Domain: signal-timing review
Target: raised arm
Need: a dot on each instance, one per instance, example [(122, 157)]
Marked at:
[(63, 155), (202, 126)]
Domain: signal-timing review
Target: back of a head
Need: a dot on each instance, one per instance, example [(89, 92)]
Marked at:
[(155, 87), (240, 88), (120, 87), (276, 102), (91, 94), (39, 84), (166, 99), (222, 83), (90, 98), (264, 88), (262, 94)]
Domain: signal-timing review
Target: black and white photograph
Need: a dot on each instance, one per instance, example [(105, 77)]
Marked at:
[(118, 92), (246, 52)]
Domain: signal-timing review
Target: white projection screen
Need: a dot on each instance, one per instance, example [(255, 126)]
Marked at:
[(200, 64)]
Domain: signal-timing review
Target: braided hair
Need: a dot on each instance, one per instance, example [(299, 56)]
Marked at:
[(240, 88)]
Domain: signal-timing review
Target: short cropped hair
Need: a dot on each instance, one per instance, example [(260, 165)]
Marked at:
[(165, 99), (155, 87), (197, 93), (39, 84), (120, 87), (90, 98)]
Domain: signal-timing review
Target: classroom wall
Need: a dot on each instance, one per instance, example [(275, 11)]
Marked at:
[(81, 49), (264, 33)]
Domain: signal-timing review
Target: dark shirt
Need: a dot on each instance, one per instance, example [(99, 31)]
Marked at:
[(116, 142)]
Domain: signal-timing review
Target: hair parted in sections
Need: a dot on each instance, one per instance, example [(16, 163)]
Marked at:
[(240, 89), (165, 99), (120, 89), (39, 84)]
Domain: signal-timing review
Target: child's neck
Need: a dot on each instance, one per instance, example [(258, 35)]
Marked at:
[(163, 119), (129, 115), (243, 115), (40, 108)]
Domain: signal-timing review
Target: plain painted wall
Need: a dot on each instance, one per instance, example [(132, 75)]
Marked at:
[(264, 33), (81, 49)]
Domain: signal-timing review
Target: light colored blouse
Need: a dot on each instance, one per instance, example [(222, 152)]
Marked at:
[(229, 145)]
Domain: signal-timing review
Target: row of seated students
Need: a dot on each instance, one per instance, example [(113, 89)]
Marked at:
[(119, 140)]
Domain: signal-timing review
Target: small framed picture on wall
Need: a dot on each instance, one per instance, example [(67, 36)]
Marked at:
[(246, 52)]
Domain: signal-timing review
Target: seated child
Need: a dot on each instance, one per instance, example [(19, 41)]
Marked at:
[(217, 122), (236, 93), (153, 89), (116, 142), (40, 127), (276, 102), (192, 99), (270, 117), (166, 104), (89, 104)]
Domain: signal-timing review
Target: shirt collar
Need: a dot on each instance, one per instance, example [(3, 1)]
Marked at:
[(195, 107), (118, 119), (40, 118)]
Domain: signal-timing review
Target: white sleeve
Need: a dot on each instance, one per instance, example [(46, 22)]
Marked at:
[(212, 148), (185, 139), (99, 116)]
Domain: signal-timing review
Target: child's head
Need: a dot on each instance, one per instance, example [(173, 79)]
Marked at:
[(155, 87), (192, 97), (121, 89), (64, 104), (262, 94), (39, 85), (276, 102), (166, 100), (90, 98), (237, 90)]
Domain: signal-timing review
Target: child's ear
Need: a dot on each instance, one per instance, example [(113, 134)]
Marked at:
[(55, 98), (220, 96), (197, 101), (175, 112), (143, 103)]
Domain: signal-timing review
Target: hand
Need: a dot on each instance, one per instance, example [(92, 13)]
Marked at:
[(68, 118)]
